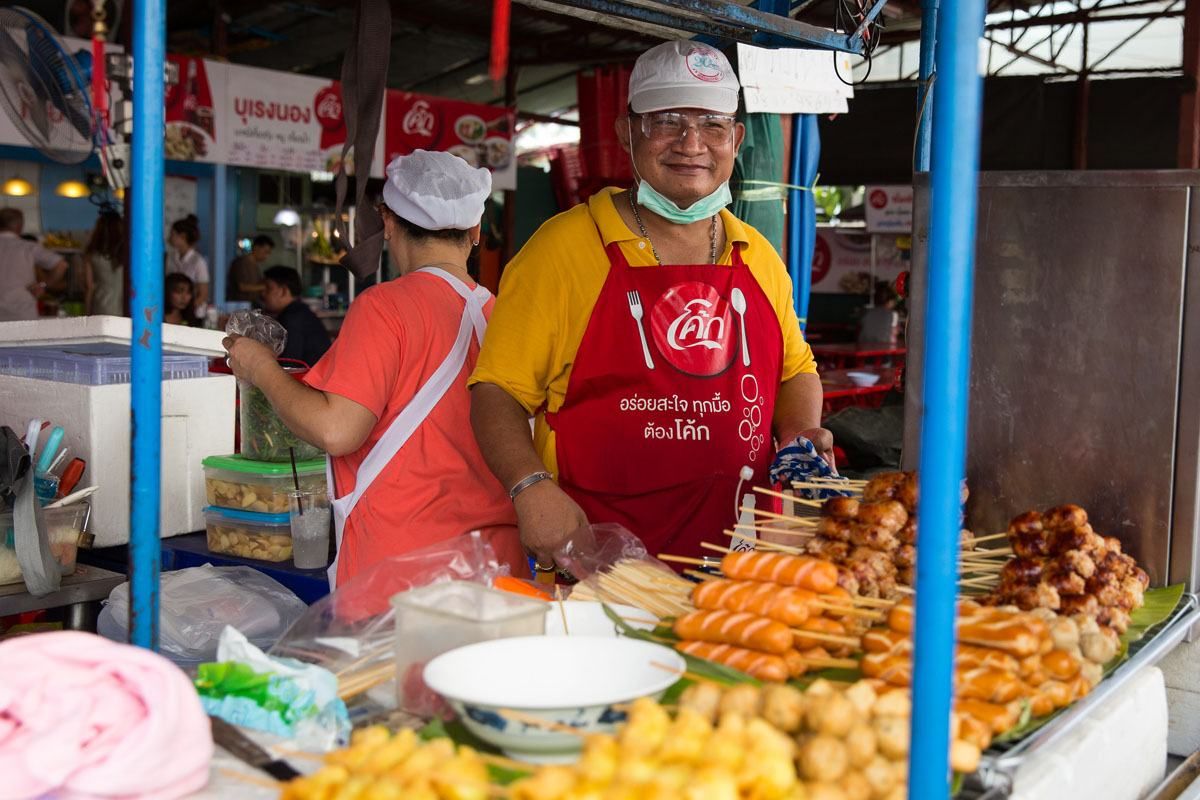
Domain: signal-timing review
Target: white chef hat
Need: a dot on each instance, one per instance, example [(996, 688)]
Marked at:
[(683, 74), (436, 190)]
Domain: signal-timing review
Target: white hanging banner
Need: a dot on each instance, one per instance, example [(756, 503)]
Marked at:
[(790, 81)]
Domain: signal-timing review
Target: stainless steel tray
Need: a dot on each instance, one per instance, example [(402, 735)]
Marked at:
[(1001, 762)]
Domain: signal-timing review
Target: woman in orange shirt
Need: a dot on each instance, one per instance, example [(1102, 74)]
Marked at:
[(389, 401)]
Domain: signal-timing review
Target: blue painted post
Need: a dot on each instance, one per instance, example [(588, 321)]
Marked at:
[(929, 14), (947, 366), (802, 209), (146, 251), (220, 249)]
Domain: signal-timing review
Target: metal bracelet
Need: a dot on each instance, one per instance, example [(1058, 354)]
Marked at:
[(526, 482)]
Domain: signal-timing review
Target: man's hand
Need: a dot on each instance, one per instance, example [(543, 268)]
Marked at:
[(37, 289), (822, 440), (547, 516), (247, 357)]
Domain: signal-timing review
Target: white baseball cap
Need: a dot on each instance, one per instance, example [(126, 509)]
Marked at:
[(683, 74), (436, 190)]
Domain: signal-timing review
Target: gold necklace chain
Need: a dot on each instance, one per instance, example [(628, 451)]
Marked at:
[(712, 254)]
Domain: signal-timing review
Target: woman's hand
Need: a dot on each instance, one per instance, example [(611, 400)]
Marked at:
[(248, 357)]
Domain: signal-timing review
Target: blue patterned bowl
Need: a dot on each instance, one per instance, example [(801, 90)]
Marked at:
[(499, 688)]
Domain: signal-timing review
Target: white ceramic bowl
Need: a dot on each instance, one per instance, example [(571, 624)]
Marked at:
[(587, 618), (863, 378), (577, 681)]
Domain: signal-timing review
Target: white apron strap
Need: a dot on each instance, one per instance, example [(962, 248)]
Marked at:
[(417, 409)]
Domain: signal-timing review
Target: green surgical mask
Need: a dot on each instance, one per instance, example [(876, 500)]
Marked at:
[(650, 198)]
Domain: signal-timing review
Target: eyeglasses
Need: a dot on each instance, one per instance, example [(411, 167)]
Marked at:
[(713, 130)]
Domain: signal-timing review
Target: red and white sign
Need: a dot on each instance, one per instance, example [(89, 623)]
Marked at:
[(191, 113), (480, 135), (889, 209), (842, 260), (693, 328)]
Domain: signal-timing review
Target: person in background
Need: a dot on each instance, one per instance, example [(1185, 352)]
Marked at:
[(20, 259), (406, 469), (245, 273), (307, 339), (182, 256), (179, 300), (104, 266), (652, 336)]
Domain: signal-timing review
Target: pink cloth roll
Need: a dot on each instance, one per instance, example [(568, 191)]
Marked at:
[(83, 718)]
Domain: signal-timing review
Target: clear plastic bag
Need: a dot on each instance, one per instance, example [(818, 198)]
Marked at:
[(258, 326), (613, 566), (197, 603), (351, 631)]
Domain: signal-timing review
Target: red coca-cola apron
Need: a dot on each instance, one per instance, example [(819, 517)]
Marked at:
[(671, 395)]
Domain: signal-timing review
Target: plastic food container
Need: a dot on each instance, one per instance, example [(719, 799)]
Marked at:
[(267, 537), (264, 436), (441, 617), (237, 483), (64, 525), (90, 369)]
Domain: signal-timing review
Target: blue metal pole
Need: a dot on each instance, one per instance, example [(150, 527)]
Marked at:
[(929, 15), (146, 251), (946, 385), (802, 209)]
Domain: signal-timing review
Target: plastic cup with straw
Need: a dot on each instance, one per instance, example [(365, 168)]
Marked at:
[(296, 480)]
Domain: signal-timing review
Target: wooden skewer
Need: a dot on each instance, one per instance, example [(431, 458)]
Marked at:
[(797, 521), (685, 560), (978, 582), (691, 676), (981, 567), (537, 722), (762, 544), (704, 576), (871, 602), (253, 780), (562, 610), (905, 590), (715, 547), (986, 555), (791, 497), (848, 641), (769, 529), (990, 538), (846, 610), (837, 486)]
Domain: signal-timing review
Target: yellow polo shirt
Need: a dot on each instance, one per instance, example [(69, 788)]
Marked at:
[(550, 288)]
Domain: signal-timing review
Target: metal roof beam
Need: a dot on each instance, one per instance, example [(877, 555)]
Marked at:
[(724, 20)]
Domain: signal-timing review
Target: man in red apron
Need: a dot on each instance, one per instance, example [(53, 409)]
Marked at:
[(652, 335), (389, 401)]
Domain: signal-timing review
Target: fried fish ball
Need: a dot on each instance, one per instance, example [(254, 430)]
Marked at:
[(648, 724), (855, 786), (745, 699), (881, 774), (726, 747), (1091, 672), (686, 738), (892, 735), (704, 698), (898, 792), (822, 759), (392, 753), (783, 706), (825, 791), (831, 715), (598, 763), (861, 745), (548, 783), (895, 703), (863, 696), (964, 756), (712, 784)]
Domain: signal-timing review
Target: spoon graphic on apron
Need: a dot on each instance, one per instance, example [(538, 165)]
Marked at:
[(738, 300)]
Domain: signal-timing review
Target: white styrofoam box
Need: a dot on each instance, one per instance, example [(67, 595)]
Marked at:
[(1183, 731), (198, 421), (1118, 753), (74, 331), (1182, 667)]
